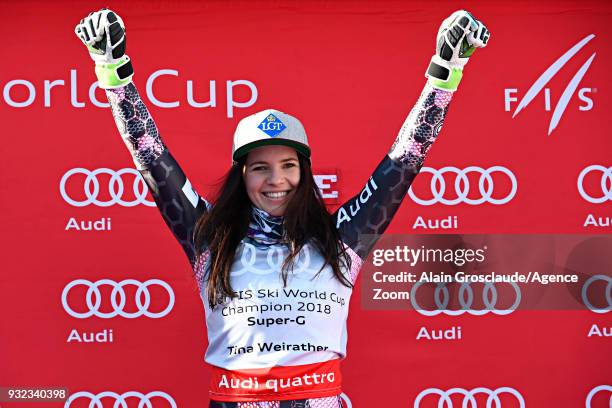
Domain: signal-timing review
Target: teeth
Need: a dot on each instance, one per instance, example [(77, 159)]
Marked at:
[(276, 194)]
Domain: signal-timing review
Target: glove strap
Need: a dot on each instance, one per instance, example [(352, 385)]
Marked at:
[(442, 76), (115, 75)]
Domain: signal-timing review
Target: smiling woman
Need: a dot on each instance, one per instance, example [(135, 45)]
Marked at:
[(275, 269), (271, 176), (269, 199)]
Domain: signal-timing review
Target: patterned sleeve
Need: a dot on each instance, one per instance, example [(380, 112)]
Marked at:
[(179, 204), (363, 218)]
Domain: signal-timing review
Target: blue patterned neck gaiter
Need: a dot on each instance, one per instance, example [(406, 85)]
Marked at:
[(265, 228)]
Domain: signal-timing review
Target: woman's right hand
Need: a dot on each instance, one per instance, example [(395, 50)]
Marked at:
[(103, 33)]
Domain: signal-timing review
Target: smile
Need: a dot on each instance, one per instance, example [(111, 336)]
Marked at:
[(276, 194)]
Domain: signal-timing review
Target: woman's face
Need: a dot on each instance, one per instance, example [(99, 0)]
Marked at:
[(271, 175)]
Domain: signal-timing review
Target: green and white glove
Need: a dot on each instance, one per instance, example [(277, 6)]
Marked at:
[(458, 37), (103, 32)]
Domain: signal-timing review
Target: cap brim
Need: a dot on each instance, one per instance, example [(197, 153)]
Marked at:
[(301, 148)]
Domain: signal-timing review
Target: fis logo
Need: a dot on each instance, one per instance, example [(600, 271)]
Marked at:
[(272, 125), (566, 96)]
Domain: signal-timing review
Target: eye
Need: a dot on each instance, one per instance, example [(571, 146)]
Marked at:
[(290, 164), (258, 168)]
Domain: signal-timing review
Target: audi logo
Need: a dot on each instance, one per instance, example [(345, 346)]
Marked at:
[(605, 183), (462, 186), (95, 400), (247, 261), (585, 297), (595, 391), (93, 298), (466, 298), (468, 396), (91, 188)]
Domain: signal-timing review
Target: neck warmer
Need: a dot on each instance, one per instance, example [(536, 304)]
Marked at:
[(265, 228)]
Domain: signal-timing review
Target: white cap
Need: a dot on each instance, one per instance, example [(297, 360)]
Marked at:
[(269, 127)]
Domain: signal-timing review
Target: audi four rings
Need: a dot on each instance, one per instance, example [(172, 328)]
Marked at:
[(605, 183), (493, 400), (91, 188), (462, 186), (466, 299), (93, 291), (95, 400), (274, 260), (608, 293)]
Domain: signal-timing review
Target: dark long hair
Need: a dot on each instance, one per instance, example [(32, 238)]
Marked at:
[(306, 219)]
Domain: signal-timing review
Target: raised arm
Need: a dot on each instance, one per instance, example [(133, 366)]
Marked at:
[(363, 218), (103, 33)]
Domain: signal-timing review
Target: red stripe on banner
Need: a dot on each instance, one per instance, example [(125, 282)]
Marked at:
[(276, 383)]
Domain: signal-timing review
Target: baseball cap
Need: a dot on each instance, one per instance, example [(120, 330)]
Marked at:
[(269, 127)]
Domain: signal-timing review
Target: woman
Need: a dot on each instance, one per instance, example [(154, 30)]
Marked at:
[(275, 269)]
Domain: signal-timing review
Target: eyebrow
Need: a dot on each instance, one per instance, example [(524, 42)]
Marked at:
[(282, 161)]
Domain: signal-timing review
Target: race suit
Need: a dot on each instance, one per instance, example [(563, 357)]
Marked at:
[(275, 345)]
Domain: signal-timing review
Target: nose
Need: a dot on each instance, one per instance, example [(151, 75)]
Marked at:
[(275, 177)]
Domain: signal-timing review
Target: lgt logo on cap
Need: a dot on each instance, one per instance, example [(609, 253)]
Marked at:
[(272, 125)]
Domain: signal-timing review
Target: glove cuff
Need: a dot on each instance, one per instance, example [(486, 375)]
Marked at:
[(442, 76), (116, 74)]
